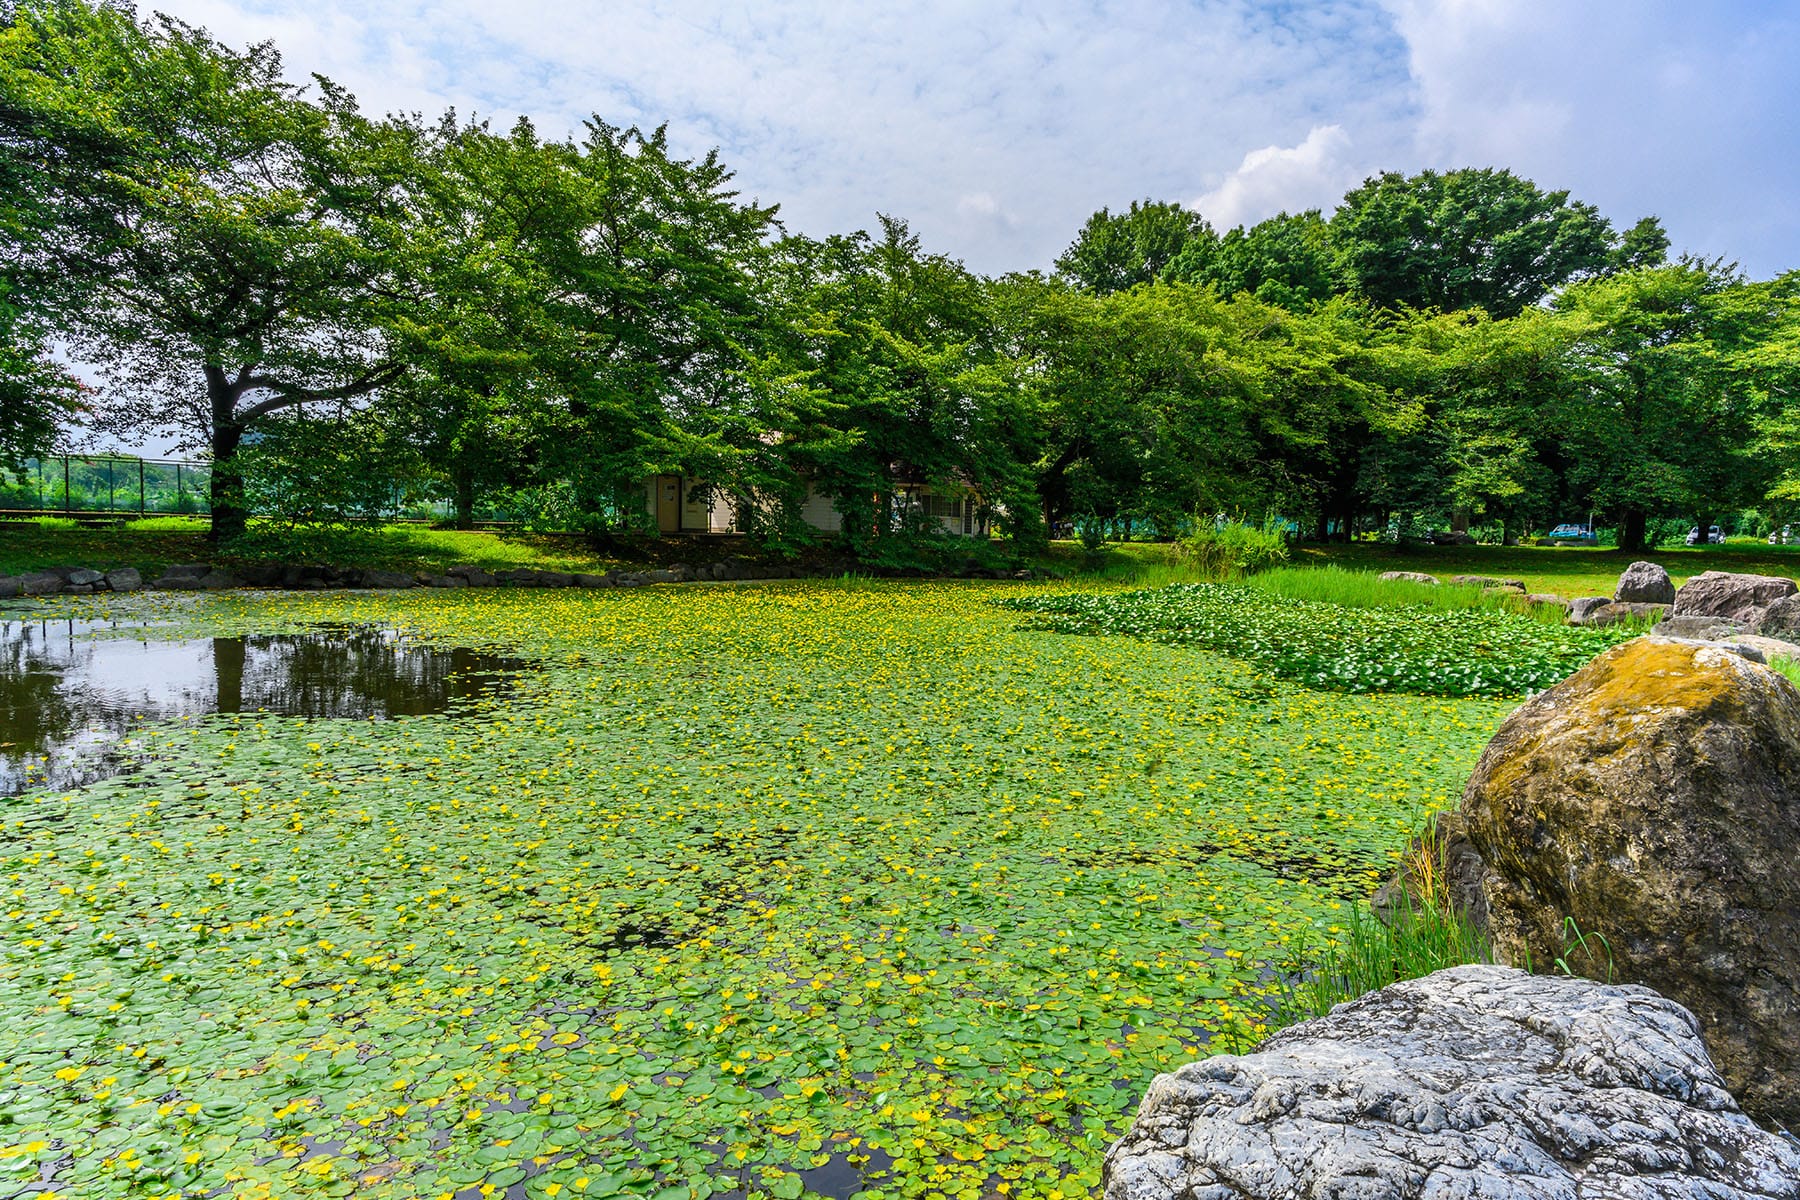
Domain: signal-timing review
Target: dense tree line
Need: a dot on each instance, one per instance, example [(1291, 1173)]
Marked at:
[(257, 264)]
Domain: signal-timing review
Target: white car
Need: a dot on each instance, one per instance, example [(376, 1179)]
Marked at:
[(1714, 536)]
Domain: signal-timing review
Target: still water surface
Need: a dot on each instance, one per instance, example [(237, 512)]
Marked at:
[(72, 691)]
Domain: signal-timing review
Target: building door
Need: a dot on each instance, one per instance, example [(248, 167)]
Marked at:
[(668, 503)]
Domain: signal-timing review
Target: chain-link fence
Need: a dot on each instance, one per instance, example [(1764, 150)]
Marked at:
[(79, 485)]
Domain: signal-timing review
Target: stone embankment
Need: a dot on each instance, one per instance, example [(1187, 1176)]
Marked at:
[(195, 577)]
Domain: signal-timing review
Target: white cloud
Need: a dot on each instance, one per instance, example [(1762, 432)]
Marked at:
[(1314, 174), (1636, 106), (1054, 108)]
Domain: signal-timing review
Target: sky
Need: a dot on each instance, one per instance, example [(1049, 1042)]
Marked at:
[(995, 127)]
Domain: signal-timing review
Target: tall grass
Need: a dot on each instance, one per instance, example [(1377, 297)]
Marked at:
[(1425, 935), (1366, 589)]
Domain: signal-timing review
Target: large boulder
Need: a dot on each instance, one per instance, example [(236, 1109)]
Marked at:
[(1582, 606), (1477, 1082), (1406, 576), (41, 583), (124, 579), (1705, 629), (1741, 598), (1781, 620), (1653, 799), (1644, 583)]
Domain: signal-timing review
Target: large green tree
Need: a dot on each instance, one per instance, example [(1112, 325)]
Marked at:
[(204, 232), (1666, 406), (1471, 238), (1117, 251), (1285, 260), (896, 350)]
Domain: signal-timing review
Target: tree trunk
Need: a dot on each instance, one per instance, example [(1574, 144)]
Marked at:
[(463, 480), (1631, 530), (229, 514)]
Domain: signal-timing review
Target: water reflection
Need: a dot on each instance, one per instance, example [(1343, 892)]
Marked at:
[(66, 696)]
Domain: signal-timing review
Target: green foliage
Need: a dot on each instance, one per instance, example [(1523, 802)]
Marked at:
[(1789, 667), (1286, 260), (351, 469), (1454, 652), (1232, 548), (1116, 252), (1473, 238)]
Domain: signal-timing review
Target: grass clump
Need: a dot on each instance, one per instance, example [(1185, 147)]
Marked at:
[(1789, 667), (1423, 935), (1233, 549)]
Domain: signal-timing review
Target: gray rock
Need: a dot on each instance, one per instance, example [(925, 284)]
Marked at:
[(218, 578), (1612, 614), (1644, 583), (41, 583), (11, 586), (186, 570), (555, 579), (660, 576), (1705, 629), (124, 579), (447, 581), (1409, 576), (593, 581), (84, 576), (1743, 598), (387, 579), (176, 583), (1487, 581), (1770, 648), (1546, 600), (1581, 607), (1479, 1083), (1781, 619), (480, 579)]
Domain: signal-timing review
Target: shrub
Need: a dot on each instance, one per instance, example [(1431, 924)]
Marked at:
[(1234, 548)]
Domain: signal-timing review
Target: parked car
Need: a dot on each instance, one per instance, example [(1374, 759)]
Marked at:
[(1714, 536), (1782, 537), (1567, 532)]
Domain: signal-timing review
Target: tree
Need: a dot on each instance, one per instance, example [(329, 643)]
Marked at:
[(1285, 260), (1468, 428), (1666, 403), (36, 395), (663, 321), (1146, 403), (1114, 252), (215, 242), (899, 383), (1471, 238), (486, 344)]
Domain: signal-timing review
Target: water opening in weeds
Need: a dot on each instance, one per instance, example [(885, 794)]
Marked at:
[(72, 691)]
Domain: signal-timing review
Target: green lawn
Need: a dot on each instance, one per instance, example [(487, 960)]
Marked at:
[(795, 887), (1566, 571)]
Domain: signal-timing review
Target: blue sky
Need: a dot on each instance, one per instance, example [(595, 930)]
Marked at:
[(995, 128)]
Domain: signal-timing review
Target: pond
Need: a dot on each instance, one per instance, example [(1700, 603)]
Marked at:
[(72, 691)]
